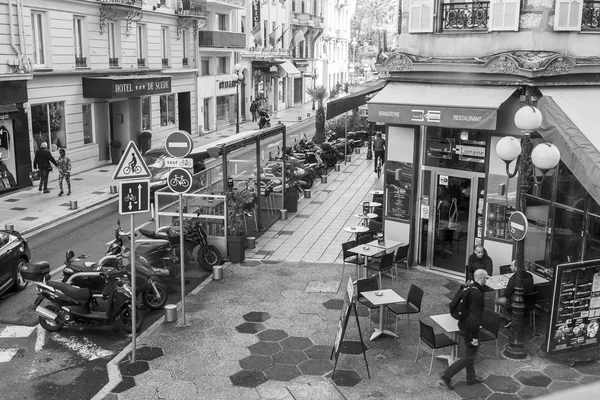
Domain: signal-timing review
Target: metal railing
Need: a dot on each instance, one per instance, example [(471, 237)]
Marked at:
[(165, 62), (141, 62), (184, 61), (221, 39), (465, 15), (192, 8), (590, 18), (134, 3), (113, 62), (80, 62)]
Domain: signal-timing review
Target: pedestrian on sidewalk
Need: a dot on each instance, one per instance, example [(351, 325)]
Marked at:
[(254, 110), (469, 329), (64, 171), (41, 162), (379, 149)]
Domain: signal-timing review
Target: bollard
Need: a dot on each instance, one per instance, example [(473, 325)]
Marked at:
[(338, 167), (283, 214), (113, 189), (73, 204), (9, 227), (357, 150), (323, 178), (250, 242), (308, 114), (170, 312), (299, 117), (348, 158), (307, 193), (217, 273)]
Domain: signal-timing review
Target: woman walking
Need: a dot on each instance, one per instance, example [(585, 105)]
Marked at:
[(64, 171)]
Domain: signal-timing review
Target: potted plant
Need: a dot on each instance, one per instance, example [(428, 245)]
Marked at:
[(145, 141), (115, 151), (238, 202), (292, 184)]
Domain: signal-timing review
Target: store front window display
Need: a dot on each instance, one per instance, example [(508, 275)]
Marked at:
[(48, 125)]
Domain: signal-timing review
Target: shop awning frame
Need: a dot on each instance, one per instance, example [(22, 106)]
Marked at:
[(567, 122), (352, 101), (289, 68)]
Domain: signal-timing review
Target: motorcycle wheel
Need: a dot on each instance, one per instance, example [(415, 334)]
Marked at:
[(322, 171), (151, 301), (209, 258), (50, 326), (308, 182), (124, 320)]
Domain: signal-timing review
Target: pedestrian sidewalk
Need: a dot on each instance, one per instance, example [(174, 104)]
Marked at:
[(31, 212)]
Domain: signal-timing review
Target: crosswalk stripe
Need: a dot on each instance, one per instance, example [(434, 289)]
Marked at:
[(82, 346), (41, 338), (15, 331), (7, 354)]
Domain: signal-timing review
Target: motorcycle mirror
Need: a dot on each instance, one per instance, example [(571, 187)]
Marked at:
[(69, 255)]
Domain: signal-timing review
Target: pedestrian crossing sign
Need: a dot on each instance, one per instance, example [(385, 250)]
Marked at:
[(131, 165)]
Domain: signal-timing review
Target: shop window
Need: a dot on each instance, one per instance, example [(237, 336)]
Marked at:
[(204, 66), (167, 110), (113, 43), (592, 250), (455, 149), (569, 191), (39, 37), (164, 48), (221, 65), (147, 113), (567, 239), (48, 125), (222, 22), (141, 45), (79, 42), (184, 46), (86, 113), (243, 24)]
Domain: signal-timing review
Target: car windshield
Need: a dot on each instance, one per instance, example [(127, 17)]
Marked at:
[(154, 160)]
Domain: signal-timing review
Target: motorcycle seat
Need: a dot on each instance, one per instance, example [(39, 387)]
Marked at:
[(148, 233), (72, 291), (81, 265)]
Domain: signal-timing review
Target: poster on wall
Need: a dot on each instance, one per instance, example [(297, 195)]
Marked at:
[(399, 189), (575, 310)]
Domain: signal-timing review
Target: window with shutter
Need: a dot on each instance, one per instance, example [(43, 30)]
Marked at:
[(567, 15), (420, 18), (504, 15)]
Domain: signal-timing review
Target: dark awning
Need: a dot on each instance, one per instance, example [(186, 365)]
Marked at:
[(8, 108), (128, 86), (448, 106), (352, 101), (568, 122)]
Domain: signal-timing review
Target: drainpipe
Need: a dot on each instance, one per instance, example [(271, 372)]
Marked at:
[(12, 35), (25, 58)]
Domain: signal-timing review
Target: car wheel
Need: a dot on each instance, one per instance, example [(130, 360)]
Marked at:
[(20, 282)]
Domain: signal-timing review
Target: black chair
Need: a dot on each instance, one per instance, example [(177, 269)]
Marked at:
[(364, 238), (504, 269), (374, 228), (351, 258), (366, 285), (382, 265), (412, 305), (434, 341), (490, 324), (529, 301), (543, 299), (401, 256)]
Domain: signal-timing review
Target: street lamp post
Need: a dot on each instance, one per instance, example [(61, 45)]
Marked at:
[(237, 77), (545, 157), (354, 42), (314, 77)]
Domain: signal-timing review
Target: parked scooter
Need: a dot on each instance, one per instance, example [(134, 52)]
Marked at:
[(265, 120), (71, 306)]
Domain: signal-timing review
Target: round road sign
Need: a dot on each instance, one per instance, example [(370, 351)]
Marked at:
[(179, 180), (517, 223), (179, 144)]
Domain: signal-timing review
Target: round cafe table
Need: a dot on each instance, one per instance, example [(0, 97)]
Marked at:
[(380, 192), (373, 204), (356, 230), (365, 217)]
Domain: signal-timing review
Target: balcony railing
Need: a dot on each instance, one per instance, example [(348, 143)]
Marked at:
[(192, 8), (134, 3), (141, 62), (165, 62), (237, 3), (80, 62), (221, 39), (184, 61), (113, 62), (465, 15), (590, 19)]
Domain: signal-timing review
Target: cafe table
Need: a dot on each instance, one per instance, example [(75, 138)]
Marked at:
[(356, 230), (381, 298), (497, 283), (366, 251), (373, 204), (375, 192), (450, 325), (537, 279), (365, 217)]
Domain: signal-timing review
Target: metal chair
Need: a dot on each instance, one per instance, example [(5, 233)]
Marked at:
[(412, 305), (366, 285), (382, 265), (401, 256), (434, 341), (490, 324), (364, 238), (351, 258), (529, 301)]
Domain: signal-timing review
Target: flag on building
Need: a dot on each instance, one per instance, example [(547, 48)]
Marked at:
[(280, 38), (298, 37), (257, 35), (273, 37)]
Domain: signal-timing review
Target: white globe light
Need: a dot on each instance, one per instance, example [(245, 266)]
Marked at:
[(528, 119), (234, 77), (508, 148), (240, 76), (237, 67), (545, 156)]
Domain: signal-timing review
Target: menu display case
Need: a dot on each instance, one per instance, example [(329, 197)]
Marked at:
[(497, 221)]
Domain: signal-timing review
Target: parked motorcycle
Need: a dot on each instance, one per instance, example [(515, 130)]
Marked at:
[(265, 120), (72, 306)]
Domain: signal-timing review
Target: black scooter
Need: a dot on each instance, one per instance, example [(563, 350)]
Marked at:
[(264, 121)]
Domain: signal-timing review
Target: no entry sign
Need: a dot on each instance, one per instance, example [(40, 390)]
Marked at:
[(179, 144), (517, 223)]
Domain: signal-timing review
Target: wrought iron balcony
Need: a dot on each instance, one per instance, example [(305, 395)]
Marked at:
[(131, 3), (165, 62), (127, 10), (221, 39), (191, 8), (80, 62), (469, 16), (235, 3), (184, 61), (590, 19), (141, 62), (113, 62)]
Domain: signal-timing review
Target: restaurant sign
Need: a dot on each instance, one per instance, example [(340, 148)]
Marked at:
[(114, 87), (447, 117)]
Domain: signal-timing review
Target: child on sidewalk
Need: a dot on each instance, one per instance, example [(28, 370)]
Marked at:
[(64, 171)]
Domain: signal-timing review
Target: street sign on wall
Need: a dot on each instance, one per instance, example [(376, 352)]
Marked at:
[(134, 197)]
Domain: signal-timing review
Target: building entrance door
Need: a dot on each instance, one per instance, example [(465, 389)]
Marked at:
[(447, 236)]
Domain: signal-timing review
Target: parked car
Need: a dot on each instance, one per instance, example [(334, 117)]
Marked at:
[(155, 160), (14, 253)]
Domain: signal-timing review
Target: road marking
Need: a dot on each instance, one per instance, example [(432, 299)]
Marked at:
[(15, 331), (7, 354), (41, 338), (82, 346)]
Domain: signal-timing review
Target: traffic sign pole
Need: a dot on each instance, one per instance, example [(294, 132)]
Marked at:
[(181, 255), (133, 296)]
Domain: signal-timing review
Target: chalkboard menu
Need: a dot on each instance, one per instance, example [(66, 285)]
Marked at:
[(343, 321), (575, 312), (399, 189)]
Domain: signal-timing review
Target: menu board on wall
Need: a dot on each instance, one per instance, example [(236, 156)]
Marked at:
[(399, 189), (575, 312)]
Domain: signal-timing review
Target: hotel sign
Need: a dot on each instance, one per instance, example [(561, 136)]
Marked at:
[(447, 117), (125, 87)]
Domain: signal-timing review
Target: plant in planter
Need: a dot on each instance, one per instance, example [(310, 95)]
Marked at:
[(237, 203), (115, 151), (293, 184), (145, 141)]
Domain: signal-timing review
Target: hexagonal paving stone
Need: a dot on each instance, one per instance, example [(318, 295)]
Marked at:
[(256, 362), (147, 353), (127, 382), (315, 367), (503, 396), (504, 384), (265, 348), (561, 372), (272, 335), (132, 369), (318, 352), (249, 379), (334, 304), (296, 343), (250, 327), (284, 373), (256, 316), (346, 378), (352, 347), (588, 368), (479, 391), (289, 357), (533, 378)]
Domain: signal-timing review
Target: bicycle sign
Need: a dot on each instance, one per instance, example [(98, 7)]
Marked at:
[(131, 165), (134, 197), (179, 180)]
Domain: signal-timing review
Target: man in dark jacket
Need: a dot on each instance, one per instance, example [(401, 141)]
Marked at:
[(41, 162), (469, 329), (479, 260), (506, 299)]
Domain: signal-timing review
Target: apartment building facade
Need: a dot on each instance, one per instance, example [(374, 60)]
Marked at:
[(460, 72)]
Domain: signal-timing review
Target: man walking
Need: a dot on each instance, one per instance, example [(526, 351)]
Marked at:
[(254, 110), (469, 329), (41, 162)]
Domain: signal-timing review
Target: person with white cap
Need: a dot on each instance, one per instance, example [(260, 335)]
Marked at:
[(41, 162)]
